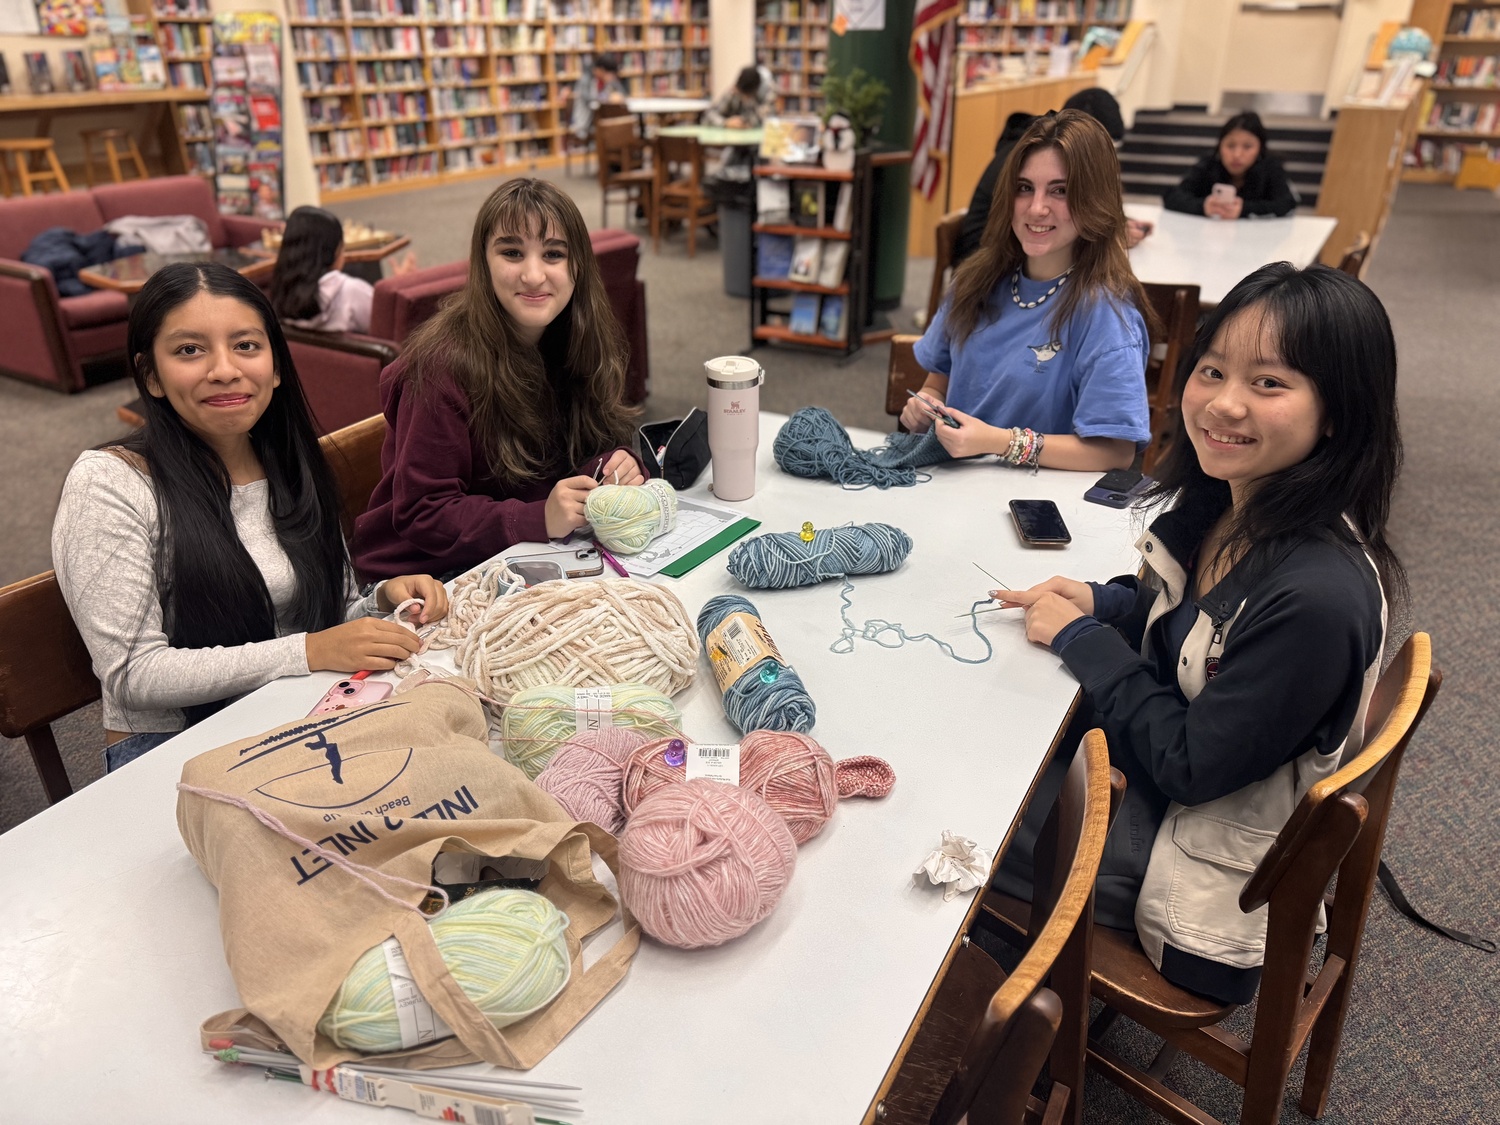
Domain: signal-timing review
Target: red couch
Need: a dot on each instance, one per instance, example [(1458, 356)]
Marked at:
[(50, 337)]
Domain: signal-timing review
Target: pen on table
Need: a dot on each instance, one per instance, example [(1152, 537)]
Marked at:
[(947, 419), (613, 562)]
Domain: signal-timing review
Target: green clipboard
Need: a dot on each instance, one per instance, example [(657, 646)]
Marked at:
[(700, 555)]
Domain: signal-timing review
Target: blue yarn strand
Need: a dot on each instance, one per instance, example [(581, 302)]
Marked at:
[(876, 627), (769, 696), (783, 560)]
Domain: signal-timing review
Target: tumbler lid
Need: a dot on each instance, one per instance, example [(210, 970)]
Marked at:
[(734, 373)]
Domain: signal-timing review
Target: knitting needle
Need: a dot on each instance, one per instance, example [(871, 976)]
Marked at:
[(991, 577), (945, 418), (992, 609)]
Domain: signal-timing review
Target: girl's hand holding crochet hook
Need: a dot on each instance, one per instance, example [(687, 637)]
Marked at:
[(1049, 606), (971, 437)]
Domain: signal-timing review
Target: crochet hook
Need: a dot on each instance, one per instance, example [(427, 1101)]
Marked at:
[(946, 418)]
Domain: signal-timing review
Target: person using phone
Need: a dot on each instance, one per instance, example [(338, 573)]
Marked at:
[(201, 557), (1039, 351), (506, 408), (1238, 671), (1239, 179)]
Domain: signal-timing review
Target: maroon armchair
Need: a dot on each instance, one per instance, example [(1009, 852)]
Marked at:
[(404, 301), (619, 253), (340, 374)]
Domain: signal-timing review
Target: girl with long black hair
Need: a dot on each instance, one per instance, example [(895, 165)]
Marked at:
[(1241, 161), (1238, 672), (201, 557), (309, 288)]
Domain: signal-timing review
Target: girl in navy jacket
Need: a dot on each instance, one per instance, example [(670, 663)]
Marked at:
[(1242, 159)]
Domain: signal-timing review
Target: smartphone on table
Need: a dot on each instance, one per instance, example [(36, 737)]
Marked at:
[(1039, 523), (553, 566), (1118, 488)]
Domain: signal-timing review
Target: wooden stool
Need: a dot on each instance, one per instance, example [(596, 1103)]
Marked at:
[(111, 137), (24, 148)]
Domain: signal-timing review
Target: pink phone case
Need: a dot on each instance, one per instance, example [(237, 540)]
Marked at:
[(351, 693)]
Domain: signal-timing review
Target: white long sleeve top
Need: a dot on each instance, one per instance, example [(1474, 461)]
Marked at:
[(104, 548)]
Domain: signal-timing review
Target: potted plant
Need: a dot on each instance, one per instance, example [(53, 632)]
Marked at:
[(852, 108)]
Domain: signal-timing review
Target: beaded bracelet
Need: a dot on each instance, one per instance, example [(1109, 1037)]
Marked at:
[(1025, 448)]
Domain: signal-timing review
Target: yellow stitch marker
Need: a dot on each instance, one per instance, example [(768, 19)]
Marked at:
[(807, 532)]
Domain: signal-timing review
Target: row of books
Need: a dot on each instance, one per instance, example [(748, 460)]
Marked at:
[(804, 203), (815, 315), (186, 38), (1478, 23), (462, 37), (166, 9), (1468, 70), (810, 261), (377, 107), (453, 99), (989, 10), (1011, 39), (793, 11), (1464, 117), (394, 138), (1437, 156), (105, 68), (465, 11)]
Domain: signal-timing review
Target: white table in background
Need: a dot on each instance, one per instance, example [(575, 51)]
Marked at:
[(1215, 254), (666, 104), (110, 951)]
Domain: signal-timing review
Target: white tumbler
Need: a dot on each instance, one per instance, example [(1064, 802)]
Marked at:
[(734, 424)]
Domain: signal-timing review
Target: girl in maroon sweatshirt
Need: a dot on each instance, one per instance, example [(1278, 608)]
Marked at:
[(507, 408)]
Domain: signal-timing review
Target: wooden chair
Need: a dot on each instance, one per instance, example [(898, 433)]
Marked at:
[(1176, 308), (27, 173), (353, 454), (986, 1035), (114, 140), (947, 235), (45, 673), (1353, 261), (679, 194), (1338, 826), (622, 164), (905, 374)]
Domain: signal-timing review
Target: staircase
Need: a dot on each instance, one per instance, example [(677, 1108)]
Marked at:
[(1162, 145)]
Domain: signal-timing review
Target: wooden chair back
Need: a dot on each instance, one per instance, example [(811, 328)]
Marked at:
[(905, 374), (1338, 826), (1353, 261), (1176, 308), (618, 146), (45, 673), (947, 234), (353, 453), (679, 194)]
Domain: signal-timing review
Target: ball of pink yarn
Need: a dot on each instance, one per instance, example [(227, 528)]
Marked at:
[(585, 773), (646, 771), (702, 862)]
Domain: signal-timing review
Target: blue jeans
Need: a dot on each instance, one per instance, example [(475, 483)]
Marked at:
[(131, 747)]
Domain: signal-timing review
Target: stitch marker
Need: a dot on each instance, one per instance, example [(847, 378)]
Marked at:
[(807, 532)]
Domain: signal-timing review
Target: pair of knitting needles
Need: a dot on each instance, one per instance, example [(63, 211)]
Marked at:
[(993, 608)]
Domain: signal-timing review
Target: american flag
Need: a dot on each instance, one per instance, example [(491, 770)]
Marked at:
[(933, 36)]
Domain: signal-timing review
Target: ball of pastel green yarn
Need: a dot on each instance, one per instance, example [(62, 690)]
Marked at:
[(507, 949), (538, 720), (625, 518)]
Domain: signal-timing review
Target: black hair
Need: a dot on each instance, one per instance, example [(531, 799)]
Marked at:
[(1334, 330), (1101, 105), (609, 62), (748, 83), (210, 590), (310, 245), (1247, 122)]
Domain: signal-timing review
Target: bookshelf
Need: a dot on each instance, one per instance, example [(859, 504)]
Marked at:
[(1459, 118), (791, 39), (185, 35), (990, 32), (776, 299), (398, 92)]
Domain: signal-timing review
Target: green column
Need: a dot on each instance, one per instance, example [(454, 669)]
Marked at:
[(884, 55)]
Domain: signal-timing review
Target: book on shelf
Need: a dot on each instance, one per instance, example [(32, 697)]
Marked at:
[(153, 68), (843, 210), (831, 320), (75, 71), (807, 256), (804, 319), (107, 68), (807, 203), (835, 258), (4, 76), (774, 255), (773, 200), (38, 72)]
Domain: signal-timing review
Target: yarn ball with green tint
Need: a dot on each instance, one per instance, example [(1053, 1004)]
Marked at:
[(538, 720), (625, 517), (507, 949)]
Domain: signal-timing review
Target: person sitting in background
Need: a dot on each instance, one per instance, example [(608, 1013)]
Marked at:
[(309, 289), (601, 84), (739, 108), (766, 98), (1098, 104), (1243, 161)]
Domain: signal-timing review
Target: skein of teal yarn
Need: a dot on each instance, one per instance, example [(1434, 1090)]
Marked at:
[(538, 720), (769, 695), (507, 949), (782, 560), (811, 443), (627, 517)]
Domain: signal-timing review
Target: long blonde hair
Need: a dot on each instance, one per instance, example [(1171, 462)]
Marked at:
[(531, 422), (1100, 260)]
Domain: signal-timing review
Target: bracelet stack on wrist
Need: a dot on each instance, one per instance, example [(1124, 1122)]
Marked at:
[(1025, 448)]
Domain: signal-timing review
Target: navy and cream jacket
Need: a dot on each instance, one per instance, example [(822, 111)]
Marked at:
[(1265, 695)]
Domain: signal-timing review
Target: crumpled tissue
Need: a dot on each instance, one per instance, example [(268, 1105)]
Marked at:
[(960, 863)]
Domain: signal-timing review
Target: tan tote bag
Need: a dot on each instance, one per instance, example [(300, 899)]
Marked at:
[(325, 849)]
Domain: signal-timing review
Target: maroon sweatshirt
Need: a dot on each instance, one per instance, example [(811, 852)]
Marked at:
[(437, 508)]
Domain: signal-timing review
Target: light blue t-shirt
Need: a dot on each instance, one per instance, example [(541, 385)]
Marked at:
[(1089, 380)]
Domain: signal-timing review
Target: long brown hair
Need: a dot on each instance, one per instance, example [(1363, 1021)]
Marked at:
[(530, 420), (1100, 261)]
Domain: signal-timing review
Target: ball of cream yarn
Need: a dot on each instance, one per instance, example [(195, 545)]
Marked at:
[(539, 720), (585, 634), (625, 517)]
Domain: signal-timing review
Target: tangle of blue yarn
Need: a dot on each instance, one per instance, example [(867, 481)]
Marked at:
[(782, 560), (876, 627), (811, 443), (750, 703)]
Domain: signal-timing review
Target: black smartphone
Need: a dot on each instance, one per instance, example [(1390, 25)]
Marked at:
[(1039, 523), (1118, 488)]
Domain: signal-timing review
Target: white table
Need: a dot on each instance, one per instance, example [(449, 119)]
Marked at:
[(110, 952), (666, 104), (1216, 254)]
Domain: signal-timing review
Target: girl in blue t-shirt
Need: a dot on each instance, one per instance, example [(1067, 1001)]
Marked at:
[(1039, 352)]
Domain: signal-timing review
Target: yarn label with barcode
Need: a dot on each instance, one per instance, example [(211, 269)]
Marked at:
[(736, 645), (593, 709), (419, 1023), (716, 762)]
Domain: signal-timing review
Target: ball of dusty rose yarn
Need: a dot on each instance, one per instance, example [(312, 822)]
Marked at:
[(702, 862), (584, 775)]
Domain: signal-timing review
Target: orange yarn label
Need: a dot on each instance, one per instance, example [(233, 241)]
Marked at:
[(736, 645)]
